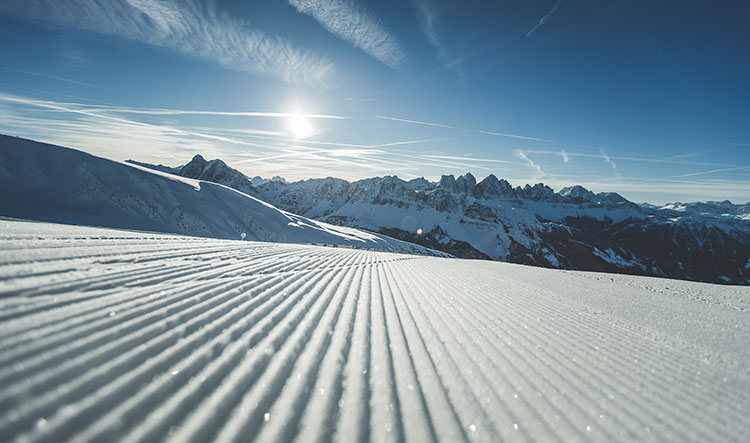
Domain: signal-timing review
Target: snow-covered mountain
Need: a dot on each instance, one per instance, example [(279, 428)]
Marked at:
[(712, 209), (570, 229), (44, 182)]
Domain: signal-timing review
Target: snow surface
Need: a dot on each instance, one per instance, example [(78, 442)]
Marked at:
[(110, 335)]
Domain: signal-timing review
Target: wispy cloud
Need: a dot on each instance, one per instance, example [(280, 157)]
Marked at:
[(118, 137), (357, 26), (427, 18), (52, 77), (544, 19), (57, 94), (472, 159), (105, 132), (608, 160), (187, 27), (67, 108), (633, 158), (713, 171), (477, 131), (539, 173), (112, 138), (279, 137), (156, 111), (564, 156)]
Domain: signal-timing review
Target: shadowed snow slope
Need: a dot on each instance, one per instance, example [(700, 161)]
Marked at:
[(44, 182), (112, 335)]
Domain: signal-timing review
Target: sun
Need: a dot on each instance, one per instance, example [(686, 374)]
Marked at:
[(300, 126)]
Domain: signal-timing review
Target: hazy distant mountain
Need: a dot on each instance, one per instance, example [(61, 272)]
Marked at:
[(574, 228), (258, 180)]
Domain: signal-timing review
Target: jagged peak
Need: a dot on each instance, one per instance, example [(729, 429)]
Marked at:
[(489, 179), (538, 192), (391, 179), (464, 184), (490, 187), (194, 167)]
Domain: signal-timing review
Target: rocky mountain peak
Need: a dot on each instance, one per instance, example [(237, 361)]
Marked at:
[(195, 167), (465, 184), (448, 183), (538, 192), (216, 171), (490, 187)]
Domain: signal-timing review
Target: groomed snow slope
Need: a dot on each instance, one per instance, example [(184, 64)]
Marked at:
[(111, 335)]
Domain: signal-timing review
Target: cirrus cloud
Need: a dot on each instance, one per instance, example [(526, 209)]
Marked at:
[(357, 26), (194, 29)]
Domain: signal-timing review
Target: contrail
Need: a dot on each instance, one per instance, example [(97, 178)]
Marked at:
[(543, 20), (478, 131)]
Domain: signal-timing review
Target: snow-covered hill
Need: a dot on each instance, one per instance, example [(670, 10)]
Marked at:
[(110, 335), (50, 183)]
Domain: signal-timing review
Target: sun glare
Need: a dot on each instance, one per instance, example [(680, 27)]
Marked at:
[(300, 126)]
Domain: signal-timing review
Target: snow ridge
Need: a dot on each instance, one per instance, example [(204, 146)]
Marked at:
[(52, 183), (119, 336)]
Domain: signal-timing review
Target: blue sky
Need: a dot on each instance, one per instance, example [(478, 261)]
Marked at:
[(648, 99)]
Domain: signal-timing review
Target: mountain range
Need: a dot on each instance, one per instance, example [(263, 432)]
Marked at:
[(574, 228), (571, 229)]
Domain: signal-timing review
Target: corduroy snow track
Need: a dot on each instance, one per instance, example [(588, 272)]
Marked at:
[(112, 335)]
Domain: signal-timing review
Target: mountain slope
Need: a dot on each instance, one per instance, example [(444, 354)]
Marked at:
[(120, 336), (50, 183)]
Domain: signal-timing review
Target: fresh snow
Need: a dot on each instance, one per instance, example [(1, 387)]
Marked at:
[(111, 335)]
